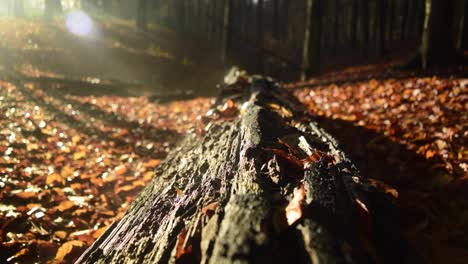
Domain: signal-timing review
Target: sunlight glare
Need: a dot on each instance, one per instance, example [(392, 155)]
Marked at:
[(79, 23)]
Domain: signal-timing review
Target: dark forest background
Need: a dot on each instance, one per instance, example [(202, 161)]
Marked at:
[(287, 39)]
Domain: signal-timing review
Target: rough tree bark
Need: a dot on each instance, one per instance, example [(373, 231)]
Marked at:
[(259, 183)]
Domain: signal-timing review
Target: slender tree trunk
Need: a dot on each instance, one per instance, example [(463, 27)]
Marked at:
[(354, 23), (19, 8), (438, 41), (464, 44), (381, 26), (461, 22), (259, 35), (52, 7), (405, 18), (365, 23), (226, 29), (391, 19), (276, 18), (335, 26), (285, 21), (312, 39), (141, 19)]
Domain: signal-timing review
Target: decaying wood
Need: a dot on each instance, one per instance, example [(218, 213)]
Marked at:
[(258, 182)]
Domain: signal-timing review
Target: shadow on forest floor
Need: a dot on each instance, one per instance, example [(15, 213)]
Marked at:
[(431, 204)]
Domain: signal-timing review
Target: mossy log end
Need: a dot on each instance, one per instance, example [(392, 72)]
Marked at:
[(260, 182)]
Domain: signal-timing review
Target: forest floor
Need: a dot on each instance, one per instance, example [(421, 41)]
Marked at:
[(81, 133), (410, 131)]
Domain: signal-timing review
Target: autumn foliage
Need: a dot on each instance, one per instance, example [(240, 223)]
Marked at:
[(70, 166)]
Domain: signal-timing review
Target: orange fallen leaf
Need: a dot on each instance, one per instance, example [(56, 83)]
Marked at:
[(79, 155), (55, 178), (148, 176), (65, 205), (70, 251), (60, 234), (181, 249), (76, 139), (121, 170), (294, 208), (210, 208), (430, 154), (83, 235), (26, 195), (229, 109), (383, 187), (59, 159), (124, 189), (99, 232), (152, 163)]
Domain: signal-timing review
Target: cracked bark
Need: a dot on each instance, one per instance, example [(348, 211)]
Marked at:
[(221, 197)]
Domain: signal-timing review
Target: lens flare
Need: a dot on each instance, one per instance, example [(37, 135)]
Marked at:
[(79, 23)]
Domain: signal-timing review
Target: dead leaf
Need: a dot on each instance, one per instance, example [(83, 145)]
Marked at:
[(26, 195), (55, 178), (383, 187), (79, 155), (121, 170), (152, 163), (210, 209), (60, 234), (65, 205), (70, 251), (182, 249), (430, 154), (294, 208), (99, 232)]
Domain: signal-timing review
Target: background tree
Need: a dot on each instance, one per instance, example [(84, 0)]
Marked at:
[(52, 7), (438, 44), (142, 19), (19, 8)]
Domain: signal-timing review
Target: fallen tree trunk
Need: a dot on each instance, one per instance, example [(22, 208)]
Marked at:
[(259, 182)]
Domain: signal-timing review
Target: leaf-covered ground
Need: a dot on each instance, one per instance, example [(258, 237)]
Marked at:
[(410, 132), (76, 144), (70, 166)]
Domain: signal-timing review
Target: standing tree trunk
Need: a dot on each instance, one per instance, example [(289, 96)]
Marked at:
[(141, 19), (264, 184), (354, 23), (405, 18), (19, 8), (438, 44), (285, 20), (365, 23), (461, 23), (391, 19), (259, 38), (51, 8), (380, 26), (312, 39), (335, 26), (276, 18), (226, 29), (464, 43)]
